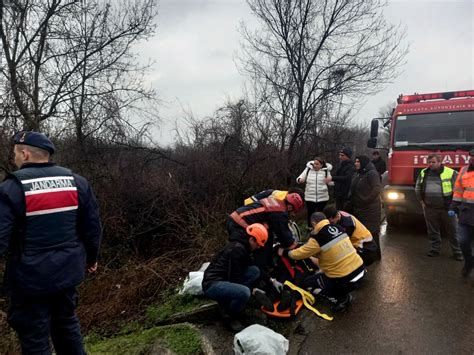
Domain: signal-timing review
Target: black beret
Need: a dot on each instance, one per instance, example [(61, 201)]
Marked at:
[(34, 139)]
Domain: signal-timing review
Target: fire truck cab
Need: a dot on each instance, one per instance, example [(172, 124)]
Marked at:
[(422, 124)]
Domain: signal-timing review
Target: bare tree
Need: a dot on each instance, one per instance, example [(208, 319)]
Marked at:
[(312, 56), (73, 61)]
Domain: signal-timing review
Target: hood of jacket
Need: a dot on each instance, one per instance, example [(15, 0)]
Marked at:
[(310, 165), (240, 238), (368, 167)]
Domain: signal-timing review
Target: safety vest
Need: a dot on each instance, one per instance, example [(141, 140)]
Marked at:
[(265, 205), (464, 186), (51, 204), (446, 184)]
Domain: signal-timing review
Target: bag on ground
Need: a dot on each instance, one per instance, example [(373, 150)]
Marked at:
[(193, 283), (257, 339)]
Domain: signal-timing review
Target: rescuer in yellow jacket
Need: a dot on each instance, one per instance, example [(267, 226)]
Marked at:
[(360, 236), (463, 205), (342, 269)]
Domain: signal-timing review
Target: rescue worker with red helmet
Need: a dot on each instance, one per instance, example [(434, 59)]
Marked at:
[(231, 276), (278, 194), (269, 211)]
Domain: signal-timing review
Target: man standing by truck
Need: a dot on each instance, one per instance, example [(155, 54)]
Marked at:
[(463, 205), (378, 162), (342, 178), (434, 190)]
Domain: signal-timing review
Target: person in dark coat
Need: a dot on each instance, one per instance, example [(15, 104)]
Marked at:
[(342, 178), (50, 230), (378, 162), (365, 196), (231, 277)]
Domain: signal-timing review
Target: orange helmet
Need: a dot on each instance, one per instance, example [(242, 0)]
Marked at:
[(259, 232), (295, 200)]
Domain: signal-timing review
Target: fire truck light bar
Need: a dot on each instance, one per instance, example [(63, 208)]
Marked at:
[(407, 99)]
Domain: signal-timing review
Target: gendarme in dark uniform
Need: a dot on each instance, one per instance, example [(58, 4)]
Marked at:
[(50, 231)]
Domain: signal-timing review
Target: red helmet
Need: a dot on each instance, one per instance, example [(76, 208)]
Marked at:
[(295, 200), (259, 232)]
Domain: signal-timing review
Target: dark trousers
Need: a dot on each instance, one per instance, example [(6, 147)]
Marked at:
[(35, 318), (435, 218), (233, 296), (334, 289), (466, 239), (369, 252), (312, 207)]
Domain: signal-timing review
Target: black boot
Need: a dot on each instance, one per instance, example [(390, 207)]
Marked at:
[(231, 322), (263, 300), (343, 304), (285, 300), (378, 254)]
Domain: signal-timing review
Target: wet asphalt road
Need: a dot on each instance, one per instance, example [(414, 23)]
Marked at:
[(410, 304)]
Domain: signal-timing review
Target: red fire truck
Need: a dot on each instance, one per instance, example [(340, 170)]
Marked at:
[(422, 124)]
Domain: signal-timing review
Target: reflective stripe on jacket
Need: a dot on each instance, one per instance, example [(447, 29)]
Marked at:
[(270, 212), (357, 232), (464, 187), (463, 197), (51, 202), (332, 246), (446, 183), (277, 194)]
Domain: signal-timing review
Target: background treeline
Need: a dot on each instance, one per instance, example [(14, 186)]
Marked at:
[(68, 69)]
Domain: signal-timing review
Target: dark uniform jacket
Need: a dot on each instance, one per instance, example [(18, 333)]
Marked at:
[(230, 263), (61, 241), (342, 179)]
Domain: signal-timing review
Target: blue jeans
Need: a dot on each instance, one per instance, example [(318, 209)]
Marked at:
[(466, 237), (35, 318), (233, 296)]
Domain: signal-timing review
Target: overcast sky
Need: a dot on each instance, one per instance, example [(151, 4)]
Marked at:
[(197, 41)]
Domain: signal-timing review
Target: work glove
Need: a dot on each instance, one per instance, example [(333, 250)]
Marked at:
[(451, 213), (277, 284)]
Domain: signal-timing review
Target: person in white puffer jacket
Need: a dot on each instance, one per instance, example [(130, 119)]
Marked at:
[(316, 192)]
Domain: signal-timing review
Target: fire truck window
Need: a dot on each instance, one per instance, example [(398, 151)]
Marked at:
[(436, 128)]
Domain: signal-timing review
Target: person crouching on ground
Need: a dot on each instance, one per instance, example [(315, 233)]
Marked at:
[(231, 276), (360, 236), (342, 269)]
